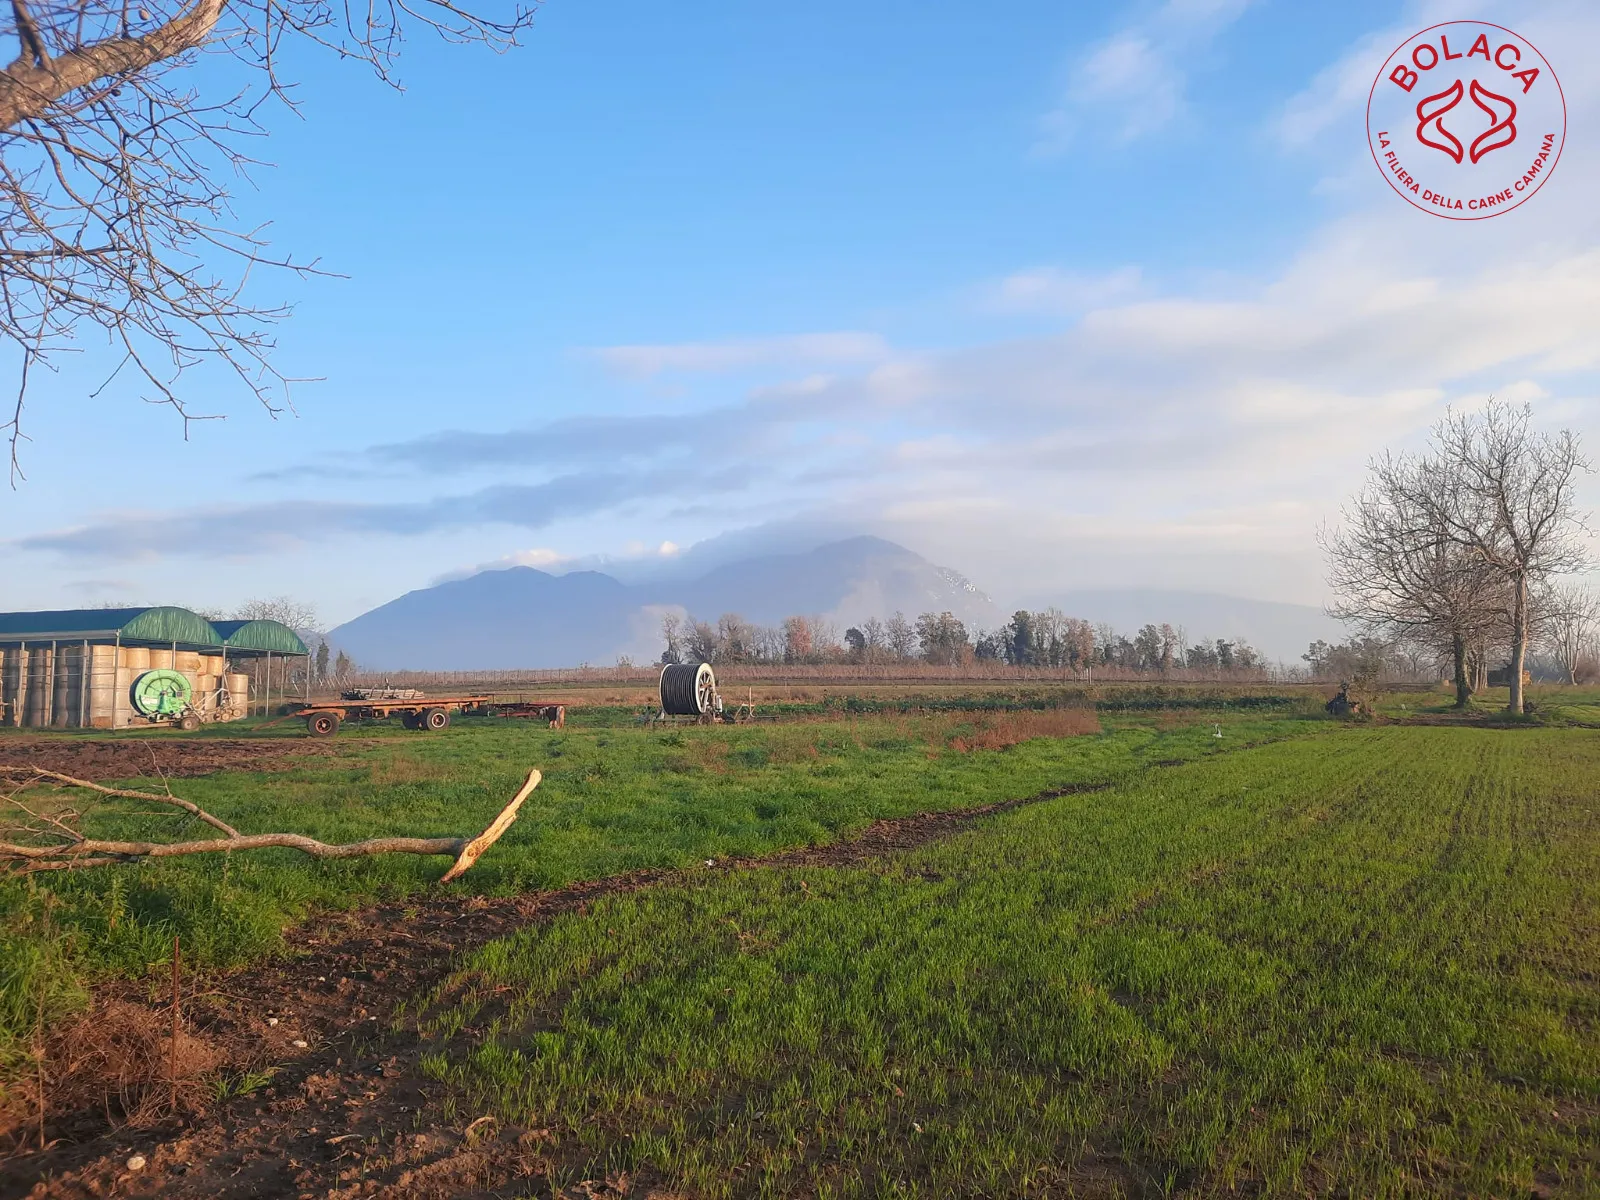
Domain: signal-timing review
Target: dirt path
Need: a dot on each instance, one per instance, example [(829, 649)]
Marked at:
[(347, 1112)]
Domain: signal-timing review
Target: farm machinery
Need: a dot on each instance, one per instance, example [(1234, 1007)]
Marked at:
[(169, 697), (689, 690), (417, 709)]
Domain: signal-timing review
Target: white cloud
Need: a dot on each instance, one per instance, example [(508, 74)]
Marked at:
[(694, 357), (644, 550), (1061, 293), (1133, 83), (539, 557), (557, 562)]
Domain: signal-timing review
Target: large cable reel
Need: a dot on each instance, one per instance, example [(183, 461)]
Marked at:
[(161, 693), (688, 690)]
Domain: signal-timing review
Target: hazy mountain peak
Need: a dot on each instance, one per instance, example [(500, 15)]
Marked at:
[(522, 616)]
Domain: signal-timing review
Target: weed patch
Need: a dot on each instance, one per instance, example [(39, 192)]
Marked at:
[(1002, 731)]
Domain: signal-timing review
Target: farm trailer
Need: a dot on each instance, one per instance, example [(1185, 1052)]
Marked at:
[(431, 713)]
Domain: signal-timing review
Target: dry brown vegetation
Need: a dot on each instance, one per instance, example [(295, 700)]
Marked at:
[(117, 1059), (999, 730)]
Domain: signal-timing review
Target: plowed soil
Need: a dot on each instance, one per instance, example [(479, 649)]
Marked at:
[(100, 759), (347, 1112)]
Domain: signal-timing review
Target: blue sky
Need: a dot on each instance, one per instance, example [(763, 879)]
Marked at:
[(1063, 296)]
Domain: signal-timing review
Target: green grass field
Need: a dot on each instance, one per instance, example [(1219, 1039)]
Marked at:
[(614, 798), (1361, 965)]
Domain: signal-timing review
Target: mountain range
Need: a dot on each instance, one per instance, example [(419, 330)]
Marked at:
[(524, 617)]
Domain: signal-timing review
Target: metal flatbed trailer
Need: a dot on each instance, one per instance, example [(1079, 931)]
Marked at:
[(323, 717)]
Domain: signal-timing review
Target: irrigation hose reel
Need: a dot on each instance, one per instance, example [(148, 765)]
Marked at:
[(161, 695), (690, 690)]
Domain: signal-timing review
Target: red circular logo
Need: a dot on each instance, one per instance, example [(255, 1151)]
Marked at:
[(1466, 120)]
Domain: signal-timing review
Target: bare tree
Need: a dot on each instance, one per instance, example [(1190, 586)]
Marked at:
[(735, 639), (700, 642), (1506, 498), (901, 637), (296, 614), (877, 639), (1569, 621), (826, 640), (769, 643), (797, 640), (114, 213), (1398, 573), (672, 636)]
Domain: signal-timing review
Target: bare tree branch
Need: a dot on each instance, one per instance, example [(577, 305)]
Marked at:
[(114, 207), (193, 810), (70, 849)]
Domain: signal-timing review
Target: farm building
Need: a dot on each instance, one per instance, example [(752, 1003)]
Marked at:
[(109, 668)]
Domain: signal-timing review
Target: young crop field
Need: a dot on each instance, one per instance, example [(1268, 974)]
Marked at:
[(1225, 951), (1362, 965), (613, 799)]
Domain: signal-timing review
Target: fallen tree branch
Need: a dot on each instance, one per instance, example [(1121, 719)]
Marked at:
[(91, 852), (193, 810)]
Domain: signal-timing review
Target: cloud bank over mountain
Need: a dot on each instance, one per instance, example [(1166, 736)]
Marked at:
[(523, 617)]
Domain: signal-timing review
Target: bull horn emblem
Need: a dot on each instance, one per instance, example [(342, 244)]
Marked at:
[(1503, 132), (1430, 114)]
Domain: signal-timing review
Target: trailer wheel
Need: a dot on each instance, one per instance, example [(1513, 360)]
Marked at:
[(435, 719), (323, 724), (411, 720), (188, 722)]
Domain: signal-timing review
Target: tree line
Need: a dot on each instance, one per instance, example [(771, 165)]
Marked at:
[(1048, 638), (1459, 551)]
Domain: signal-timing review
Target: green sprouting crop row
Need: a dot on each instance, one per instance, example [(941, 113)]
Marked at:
[(1353, 965)]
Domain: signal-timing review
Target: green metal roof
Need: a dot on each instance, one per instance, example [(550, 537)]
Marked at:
[(260, 635), (159, 626)]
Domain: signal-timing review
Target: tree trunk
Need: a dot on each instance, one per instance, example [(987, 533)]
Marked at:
[(1519, 640), (1458, 647)]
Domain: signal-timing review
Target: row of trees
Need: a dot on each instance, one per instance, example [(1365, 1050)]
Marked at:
[(1458, 551), (1052, 639), (1048, 638), (1375, 659)]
